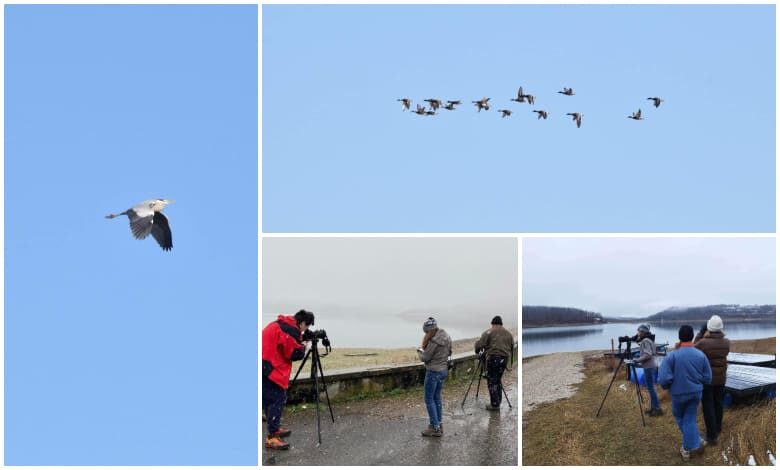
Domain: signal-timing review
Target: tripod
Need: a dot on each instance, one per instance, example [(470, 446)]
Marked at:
[(316, 367), (480, 371), (631, 368)]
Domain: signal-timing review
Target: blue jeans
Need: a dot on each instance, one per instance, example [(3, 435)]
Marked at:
[(650, 383), (684, 408), (434, 380)]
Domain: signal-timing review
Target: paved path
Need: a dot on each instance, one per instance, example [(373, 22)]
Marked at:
[(386, 431)]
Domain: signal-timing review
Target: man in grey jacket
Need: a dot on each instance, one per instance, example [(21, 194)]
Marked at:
[(647, 361), (434, 353)]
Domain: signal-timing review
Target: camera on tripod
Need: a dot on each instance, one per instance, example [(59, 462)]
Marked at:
[(318, 335)]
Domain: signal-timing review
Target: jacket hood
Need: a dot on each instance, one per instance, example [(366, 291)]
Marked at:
[(289, 319)]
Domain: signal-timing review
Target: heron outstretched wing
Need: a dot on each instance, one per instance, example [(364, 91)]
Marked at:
[(161, 231), (141, 226)]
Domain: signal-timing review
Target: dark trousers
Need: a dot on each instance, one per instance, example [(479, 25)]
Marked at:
[(495, 369), (274, 398), (712, 407)]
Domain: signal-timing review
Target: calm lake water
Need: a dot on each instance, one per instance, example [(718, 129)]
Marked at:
[(582, 338)]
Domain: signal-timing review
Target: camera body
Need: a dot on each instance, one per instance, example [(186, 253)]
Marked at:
[(309, 335), (317, 335)]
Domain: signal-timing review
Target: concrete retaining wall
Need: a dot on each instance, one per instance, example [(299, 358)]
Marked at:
[(346, 383)]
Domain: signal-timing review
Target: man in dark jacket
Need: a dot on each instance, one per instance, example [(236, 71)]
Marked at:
[(714, 344), (497, 344), (281, 345)]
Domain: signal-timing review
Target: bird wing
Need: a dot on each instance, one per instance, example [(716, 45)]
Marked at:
[(140, 225), (520, 93), (161, 231), (639, 113)]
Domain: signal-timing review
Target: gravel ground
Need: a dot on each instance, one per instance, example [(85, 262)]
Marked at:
[(551, 377)]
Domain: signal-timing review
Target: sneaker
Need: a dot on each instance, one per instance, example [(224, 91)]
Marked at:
[(685, 454), (282, 432), (490, 407), (276, 443)]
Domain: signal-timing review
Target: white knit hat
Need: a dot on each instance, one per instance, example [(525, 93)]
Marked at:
[(715, 323)]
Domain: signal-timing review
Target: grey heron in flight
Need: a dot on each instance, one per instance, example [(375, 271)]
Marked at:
[(146, 218)]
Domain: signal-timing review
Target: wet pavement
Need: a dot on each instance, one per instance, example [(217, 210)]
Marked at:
[(386, 431)]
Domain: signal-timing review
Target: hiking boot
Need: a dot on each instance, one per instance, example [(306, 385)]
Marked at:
[(430, 431), (282, 432), (490, 407), (655, 412), (685, 454), (276, 443), (711, 442)]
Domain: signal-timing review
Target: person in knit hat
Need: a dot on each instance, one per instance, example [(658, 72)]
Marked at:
[(713, 343), (497, 344), (648, 363), (434, 353)]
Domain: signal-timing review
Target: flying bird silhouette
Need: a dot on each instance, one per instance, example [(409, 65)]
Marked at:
[(482, 104), (542, 114), (577, 117), (656, 101), (637, 116), (146, 218)]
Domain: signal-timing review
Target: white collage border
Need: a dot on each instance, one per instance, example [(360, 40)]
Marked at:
[(518, 236)]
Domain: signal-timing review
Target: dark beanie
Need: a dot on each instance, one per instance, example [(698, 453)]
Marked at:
[(685, 333), (496, 320)]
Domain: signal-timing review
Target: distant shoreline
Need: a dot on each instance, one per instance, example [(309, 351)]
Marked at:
[(654, 323)]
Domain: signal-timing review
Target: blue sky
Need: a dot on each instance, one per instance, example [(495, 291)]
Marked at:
[(117, 353), (339, 155)]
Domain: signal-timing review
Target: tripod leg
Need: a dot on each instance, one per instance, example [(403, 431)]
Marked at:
[(617, 369), (316, 395), (473, 376), (303, 362), (638, 393), (505, 395), (325, 385), (481, 370)]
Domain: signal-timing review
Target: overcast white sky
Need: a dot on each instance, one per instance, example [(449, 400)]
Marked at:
[(642, 276), (390, 285)]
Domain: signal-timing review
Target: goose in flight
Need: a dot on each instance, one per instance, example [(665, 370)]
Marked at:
[(656, 101), (420, 110), (434, 103), (146, 218), (406, 103), (542, 114), (637, 116), (505, 113), (520, 96), (482, 104), (451, 104), (567, 91), (577, 117)]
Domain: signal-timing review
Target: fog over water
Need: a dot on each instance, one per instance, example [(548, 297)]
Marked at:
[(376, 292)]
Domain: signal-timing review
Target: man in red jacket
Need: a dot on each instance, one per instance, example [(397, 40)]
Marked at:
[(281, 345)]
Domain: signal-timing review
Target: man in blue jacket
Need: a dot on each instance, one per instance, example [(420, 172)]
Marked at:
[(684, 373)]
